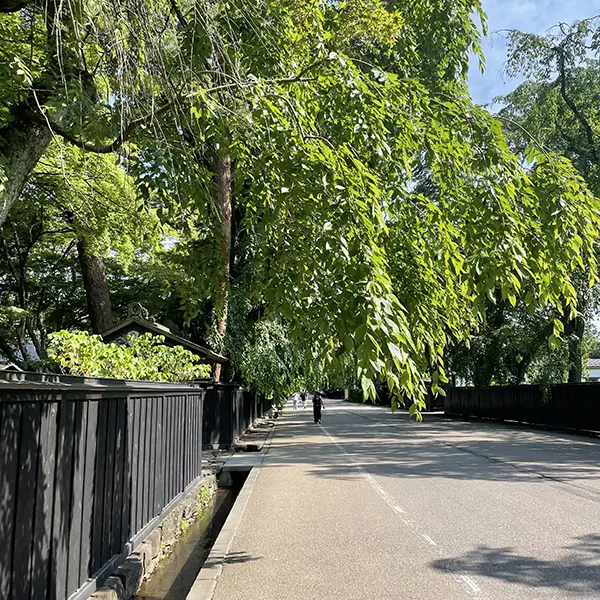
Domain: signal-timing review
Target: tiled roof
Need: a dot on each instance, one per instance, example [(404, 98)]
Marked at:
[(158, 329), (593, 363)]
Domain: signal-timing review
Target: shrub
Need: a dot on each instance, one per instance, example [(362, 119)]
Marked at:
[(143, 357)]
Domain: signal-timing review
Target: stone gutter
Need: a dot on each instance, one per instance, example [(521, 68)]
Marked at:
[(125, 582)]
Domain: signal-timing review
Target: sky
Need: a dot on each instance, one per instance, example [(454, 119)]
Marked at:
[(534, 16)]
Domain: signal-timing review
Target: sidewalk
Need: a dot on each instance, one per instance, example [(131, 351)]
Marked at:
[(318, 527)]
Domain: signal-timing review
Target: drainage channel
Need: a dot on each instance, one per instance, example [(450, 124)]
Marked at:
[(176, 574)]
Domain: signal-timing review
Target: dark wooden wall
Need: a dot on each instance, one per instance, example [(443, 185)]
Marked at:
[(86, 469), (564, 405), (229, 410)]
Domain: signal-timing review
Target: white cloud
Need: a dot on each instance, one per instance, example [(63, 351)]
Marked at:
[(534, 16)]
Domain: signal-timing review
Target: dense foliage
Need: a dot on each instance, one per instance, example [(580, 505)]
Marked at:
[(70, 196), (279, 144), (143, 357)]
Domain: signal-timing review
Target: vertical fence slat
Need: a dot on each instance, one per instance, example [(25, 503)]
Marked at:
[(167, 448), (186, 442), (119, 466), (164, 452), (154, 505), (194, 434), (25, 500), (181, 418), (63, 489), (147, 456), (200, 425), (159, 472), (134, 466), (100, 491), (76, 521), (127, 473), (197, 441), (109, 478), (9, 460), (177, 446), (197, 434), (149, 459), (40, 569), (88, 488), (178, 424), (141, 482)]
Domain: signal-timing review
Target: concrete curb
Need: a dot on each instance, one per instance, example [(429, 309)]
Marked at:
[(267, 443), (208, 577)]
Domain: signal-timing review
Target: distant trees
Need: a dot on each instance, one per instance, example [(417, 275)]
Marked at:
[(557, 106)]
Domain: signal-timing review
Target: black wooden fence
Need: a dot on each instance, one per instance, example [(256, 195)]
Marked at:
[(87, 469), (564, 405), (229, 410)]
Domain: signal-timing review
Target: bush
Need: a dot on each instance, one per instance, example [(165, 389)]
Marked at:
[(143, 357)]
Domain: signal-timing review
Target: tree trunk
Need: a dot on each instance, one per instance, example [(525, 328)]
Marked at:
[(222, 173), (22, 143), (35, 340), (21, 343), (574, 332), (96, 288)]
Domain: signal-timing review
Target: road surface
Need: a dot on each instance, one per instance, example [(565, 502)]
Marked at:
[(371, 506)]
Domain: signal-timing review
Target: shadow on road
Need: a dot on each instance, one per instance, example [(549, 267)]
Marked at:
[(240, 557), (393, 446), (578, 572)]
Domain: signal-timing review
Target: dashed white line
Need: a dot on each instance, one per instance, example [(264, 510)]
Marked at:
[(389, 500)]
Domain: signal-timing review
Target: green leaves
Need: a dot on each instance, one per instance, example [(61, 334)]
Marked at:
[(368, 388), (143, 357), (374, 205)]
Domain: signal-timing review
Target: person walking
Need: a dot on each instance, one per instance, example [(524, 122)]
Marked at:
[(317, 406), (295, 400), (303, 399)]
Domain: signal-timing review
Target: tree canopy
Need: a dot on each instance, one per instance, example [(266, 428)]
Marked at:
[(280, 141)]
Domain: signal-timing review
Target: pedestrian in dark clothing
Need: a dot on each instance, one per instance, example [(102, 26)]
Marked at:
[(317, 406)]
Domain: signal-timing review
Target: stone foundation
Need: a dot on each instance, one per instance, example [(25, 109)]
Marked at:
[(142, 562)]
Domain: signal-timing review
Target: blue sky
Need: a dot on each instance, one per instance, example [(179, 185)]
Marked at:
[(527, 15)]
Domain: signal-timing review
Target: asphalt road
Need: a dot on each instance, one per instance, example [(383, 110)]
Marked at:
[(372, 506)]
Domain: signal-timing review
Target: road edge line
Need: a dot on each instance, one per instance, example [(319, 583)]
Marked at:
[(206, 581)]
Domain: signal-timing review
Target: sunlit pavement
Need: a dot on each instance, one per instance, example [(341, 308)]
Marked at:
[(371, 506)]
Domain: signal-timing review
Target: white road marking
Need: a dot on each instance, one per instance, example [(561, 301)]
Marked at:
[(389, 500), (471, 583)]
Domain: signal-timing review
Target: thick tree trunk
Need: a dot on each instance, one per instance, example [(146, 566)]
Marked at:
[(222, 173), (35, 340), (21, 342), (96, 288), (22, 143)]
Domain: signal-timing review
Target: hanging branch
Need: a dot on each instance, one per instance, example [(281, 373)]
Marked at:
[(589, 134)]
